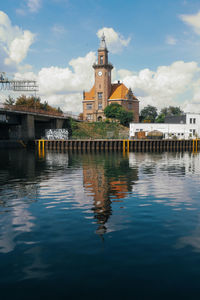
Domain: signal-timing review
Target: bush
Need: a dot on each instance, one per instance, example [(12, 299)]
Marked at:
[(116, 112)]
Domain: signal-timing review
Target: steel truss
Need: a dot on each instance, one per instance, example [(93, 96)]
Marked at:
[(19, 85)]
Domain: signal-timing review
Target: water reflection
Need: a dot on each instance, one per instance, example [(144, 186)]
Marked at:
[(167, 177), (108, 178), (51, 206), (99, 184)]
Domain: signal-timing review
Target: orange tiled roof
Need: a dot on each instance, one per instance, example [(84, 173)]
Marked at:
[(90, 95), (119, 91)]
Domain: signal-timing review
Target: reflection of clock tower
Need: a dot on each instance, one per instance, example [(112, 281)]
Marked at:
[(102, 80)]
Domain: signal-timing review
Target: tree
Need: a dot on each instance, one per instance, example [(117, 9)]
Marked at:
[(117, 112), (35, 102), (172, 111), (168, 112), (148, 113), (160, 118), (125, 117), (9, 101), (112, 111)]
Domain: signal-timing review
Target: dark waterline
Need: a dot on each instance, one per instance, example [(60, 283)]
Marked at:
[(99, 226)]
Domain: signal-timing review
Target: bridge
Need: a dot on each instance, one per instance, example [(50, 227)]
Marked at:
[(24, 123)]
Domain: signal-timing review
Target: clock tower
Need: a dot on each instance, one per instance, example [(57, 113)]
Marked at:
[(104, 93), (102, 86)]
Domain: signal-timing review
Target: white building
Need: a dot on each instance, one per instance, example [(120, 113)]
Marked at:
[(183, 127)]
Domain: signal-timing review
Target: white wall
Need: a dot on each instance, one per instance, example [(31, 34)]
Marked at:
[(181, 131)]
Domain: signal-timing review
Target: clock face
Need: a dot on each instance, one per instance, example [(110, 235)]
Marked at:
[(100, 73)]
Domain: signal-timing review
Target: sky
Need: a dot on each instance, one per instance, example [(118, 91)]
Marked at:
[(154, 46)]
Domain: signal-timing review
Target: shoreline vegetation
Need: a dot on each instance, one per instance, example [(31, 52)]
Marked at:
[(98, 130)]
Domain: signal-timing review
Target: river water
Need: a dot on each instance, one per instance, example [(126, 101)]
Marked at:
[(99, 226)]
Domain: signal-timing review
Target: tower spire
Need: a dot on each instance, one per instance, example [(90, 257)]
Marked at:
[(103, 42)]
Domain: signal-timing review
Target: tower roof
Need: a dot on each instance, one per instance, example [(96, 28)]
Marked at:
[(102, 45)]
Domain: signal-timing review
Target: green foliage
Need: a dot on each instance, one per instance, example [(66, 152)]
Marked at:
[(35, 102), (115, 111), (172, 111), (148, 113), (168, 112), (160, 118), (125, 117), (9, 101), (73, 124), (98, 130)]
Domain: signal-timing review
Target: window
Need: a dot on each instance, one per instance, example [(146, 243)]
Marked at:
[(100, 95), (194, 121), (101, 60), (89, 106), (100, 105), (190, 120), (89, 117), (130, 105), (194, 131)]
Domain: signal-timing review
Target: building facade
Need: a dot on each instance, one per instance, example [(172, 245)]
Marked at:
[(104, 92), (183, 127)]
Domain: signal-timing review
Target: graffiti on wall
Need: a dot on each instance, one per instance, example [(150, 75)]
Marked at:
[(56, 134)]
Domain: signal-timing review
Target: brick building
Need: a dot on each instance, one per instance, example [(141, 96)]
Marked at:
[(104, 92)]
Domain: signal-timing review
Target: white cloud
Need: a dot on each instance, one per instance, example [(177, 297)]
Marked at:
[(64, 86), (20, 11), (31, 6), (19, 47), (193, 21), (162, 87), (71, 102), (58, 29), (61, 80), (14, 42), (114, 40), (170, 40), (34, 5)]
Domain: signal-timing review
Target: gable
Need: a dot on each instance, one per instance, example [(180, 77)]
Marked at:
[(120, 91)]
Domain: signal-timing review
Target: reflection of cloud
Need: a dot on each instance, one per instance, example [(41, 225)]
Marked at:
[(163, 176), (191, 240), (18, 221), (37, 269)]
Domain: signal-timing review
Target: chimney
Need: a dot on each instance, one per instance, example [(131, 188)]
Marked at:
[(118, 81)]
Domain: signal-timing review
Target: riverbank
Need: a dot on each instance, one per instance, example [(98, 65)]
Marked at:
[(98, 130)]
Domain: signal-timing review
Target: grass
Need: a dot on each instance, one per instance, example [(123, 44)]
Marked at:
[(98, 130)]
